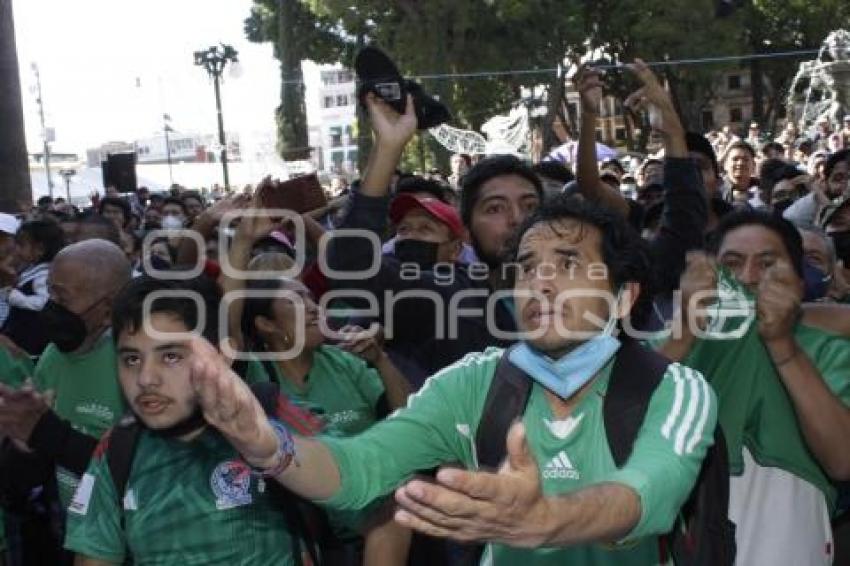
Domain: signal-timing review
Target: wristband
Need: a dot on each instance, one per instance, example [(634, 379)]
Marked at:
[(283, 456)]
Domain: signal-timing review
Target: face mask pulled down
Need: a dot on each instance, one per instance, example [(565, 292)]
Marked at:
[(566, 375)]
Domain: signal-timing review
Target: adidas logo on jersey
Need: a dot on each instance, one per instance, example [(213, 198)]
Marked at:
[(560, 468)]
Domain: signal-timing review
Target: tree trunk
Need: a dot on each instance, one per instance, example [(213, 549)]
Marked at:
[(556, 95), (15, 188), (292, 113), (364, 126)]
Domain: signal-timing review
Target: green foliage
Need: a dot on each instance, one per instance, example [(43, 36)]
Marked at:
[(437, 37)]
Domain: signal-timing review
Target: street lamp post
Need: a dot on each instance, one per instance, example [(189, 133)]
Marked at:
[(44, 131), (214, 60)]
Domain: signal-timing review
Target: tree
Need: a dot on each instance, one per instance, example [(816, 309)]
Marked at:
[(658, 30), (297, 34), (447, 37), (15, 188)]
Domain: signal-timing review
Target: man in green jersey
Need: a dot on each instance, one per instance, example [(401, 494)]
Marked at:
[(78, 366), (189, 497), (783, 388), (74, 395), (579, 266)]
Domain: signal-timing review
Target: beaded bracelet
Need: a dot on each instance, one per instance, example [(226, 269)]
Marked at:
[(284, 455)]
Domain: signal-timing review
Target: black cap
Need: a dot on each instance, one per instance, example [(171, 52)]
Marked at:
[(378, 74)]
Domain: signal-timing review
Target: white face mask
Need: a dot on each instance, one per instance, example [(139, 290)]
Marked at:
[(172, 222)]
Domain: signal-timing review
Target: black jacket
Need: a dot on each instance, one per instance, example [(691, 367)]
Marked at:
[(425, 317)]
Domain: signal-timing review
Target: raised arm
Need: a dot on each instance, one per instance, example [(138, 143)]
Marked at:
[(685, 206), (250, 229), (392, 133), (589, 84), (205, 224)]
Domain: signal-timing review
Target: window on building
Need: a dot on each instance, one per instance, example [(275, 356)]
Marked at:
[(341, 100), (345, 77), (329, 77), (336, 136), (329, 102), (352, 156), (734, 82), (736, 114), (620, 134), (337, 157)]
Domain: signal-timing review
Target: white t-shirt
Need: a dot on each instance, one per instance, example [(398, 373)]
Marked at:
[(780, 519)]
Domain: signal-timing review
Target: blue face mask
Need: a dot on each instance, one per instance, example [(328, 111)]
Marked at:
[(817, 282), (566, 375)]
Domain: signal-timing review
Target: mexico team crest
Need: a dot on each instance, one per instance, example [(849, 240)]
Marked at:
[(231, 484)]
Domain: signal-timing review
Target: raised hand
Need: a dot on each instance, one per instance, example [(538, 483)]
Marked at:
[(253, 227), (780, 293), (391, 128), (367, 344), (229, 203), (588, 83), (652, 97), (697, 283), (230, 406)]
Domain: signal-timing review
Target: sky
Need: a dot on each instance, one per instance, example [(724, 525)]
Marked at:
[(110, 69)]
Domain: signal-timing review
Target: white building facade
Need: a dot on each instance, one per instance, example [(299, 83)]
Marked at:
[(333, 123)]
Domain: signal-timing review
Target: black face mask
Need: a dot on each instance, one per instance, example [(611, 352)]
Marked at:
[(423, 254), (842, 246), (62, 327)]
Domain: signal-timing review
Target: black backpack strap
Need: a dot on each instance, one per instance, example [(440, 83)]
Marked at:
[(505, 403), (120, 452), (119, 458), (292, 506), (636, 374)]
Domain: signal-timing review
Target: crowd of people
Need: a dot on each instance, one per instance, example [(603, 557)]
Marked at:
[(507, 364)]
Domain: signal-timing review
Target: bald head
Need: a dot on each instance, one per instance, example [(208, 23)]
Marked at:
[(84, 278), (98, 265)]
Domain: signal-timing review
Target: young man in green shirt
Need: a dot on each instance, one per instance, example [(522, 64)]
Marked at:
[(190, 498), (578, 266)]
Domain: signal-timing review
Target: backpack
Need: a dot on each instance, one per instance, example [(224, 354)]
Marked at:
[(703, 535), (304, 521)]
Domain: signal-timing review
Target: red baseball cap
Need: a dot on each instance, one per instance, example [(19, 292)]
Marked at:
[(445, 213)]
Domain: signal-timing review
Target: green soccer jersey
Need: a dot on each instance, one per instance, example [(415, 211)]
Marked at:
[(755, 410), (340, 386), (440, 423), (186, 503), (88, 394), (14, 371)]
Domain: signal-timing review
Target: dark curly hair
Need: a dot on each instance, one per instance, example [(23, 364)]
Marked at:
[(625, 253)]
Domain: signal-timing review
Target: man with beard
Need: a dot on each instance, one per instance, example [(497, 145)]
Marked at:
[(434, 309), (836, 185)]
